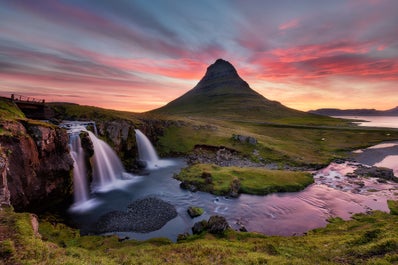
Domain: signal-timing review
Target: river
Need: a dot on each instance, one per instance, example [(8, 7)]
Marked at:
[(292, 213)]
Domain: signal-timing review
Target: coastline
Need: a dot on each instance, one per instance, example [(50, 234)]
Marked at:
[(376, 155)]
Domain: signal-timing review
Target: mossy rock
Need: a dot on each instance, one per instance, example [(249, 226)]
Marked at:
[(195, 211)]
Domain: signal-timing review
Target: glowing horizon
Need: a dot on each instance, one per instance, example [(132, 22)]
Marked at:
[(138, 56)]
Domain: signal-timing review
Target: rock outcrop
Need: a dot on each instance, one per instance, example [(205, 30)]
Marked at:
[(4, 191), (195, 211), (215, 225), (38, 165), (380, 173)]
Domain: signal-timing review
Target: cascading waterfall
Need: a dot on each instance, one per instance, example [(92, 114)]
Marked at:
[(107, 167), (80, 185), (146, 151)]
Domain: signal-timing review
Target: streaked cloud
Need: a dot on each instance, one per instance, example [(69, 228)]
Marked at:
[(138, 55)]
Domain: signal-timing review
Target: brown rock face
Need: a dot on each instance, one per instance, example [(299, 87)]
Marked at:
[(39, 165), (4, 191)]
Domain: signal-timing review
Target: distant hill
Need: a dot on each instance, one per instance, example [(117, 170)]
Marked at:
[(356, 112), (223, 94)]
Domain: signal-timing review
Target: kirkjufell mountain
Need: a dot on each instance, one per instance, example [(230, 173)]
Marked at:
[(222, 93)]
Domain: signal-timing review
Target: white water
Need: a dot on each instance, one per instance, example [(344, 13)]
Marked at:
[(107, 167), (108, 171), (147, 153), (80, 185)]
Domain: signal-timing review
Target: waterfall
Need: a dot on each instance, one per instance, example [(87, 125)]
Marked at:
[(146, 151), (108, 171), (107, 167), (80, 185)]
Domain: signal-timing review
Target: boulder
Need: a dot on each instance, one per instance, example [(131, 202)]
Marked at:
[(188, 186), (199, 227), (376, 172), (195, 211), (244, 139), (217, 224)]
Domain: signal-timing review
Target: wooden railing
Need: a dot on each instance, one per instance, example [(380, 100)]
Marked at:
[(16, 97)]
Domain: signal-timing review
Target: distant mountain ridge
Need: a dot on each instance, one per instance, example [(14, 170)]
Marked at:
[(222, 93), (355, 112)]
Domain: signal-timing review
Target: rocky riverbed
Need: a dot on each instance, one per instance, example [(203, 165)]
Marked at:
[(142, 216)]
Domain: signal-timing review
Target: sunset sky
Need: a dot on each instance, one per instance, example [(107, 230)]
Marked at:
[(138, 55)]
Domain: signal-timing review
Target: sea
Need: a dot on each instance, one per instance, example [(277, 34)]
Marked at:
[(374, 121)]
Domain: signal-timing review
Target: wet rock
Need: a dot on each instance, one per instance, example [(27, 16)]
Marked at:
[(195, 211), (199, 227), (87, 144), (188, 186), (217, 224), (141, 164), (339, 161), (351, 175), (142, 216), (376, 172)]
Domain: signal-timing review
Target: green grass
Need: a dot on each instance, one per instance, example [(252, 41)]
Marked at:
[(278, 143), (9, 111), (299, 140), (257, 181), (366, 239), (70, 111), (393, 205)]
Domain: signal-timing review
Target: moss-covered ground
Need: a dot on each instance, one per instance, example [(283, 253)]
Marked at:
[(277, 143), (258, 181), (9, 111), (366, 239), (370, 238)]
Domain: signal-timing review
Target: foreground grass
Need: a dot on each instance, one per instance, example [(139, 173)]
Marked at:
[(366, 239), (258, 181)]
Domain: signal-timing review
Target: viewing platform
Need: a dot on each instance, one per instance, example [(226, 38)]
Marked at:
[(33, 108)]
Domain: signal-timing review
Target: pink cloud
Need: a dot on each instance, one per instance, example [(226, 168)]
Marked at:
[(294, 23)]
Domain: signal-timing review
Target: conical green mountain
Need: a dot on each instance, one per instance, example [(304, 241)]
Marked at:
[(222, 93)]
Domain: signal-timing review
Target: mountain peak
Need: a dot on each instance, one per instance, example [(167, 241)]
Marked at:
[(220, 69), (223, 93)]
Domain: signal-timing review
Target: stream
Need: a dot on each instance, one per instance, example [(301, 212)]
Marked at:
[(292, 213)]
